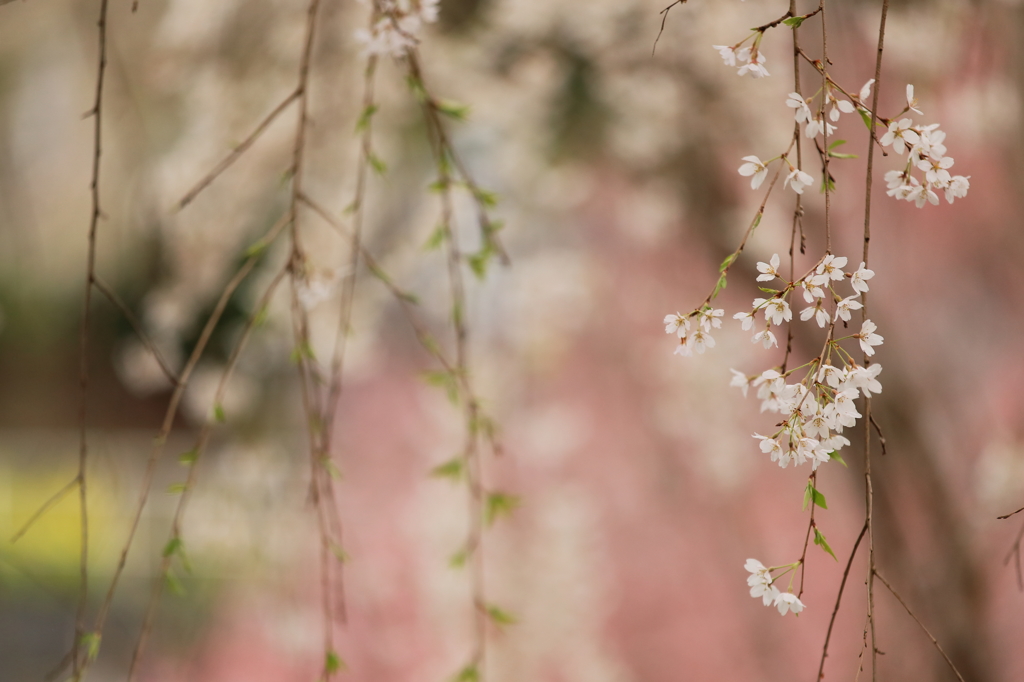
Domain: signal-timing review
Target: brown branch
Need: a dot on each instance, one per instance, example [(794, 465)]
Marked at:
[(1006, 516), (83, 368), (1014, 553), (171, 413), (918, 621), (45, 507), (192, 477), (664, 17), (235, 153), (839, 598), (137, 327)]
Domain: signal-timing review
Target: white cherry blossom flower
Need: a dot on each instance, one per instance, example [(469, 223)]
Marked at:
[(920, 194), (900, 136), (832, 266), (727, 53), (911, 100), (819, 314), (838, 105), (700, 341), (813, 290), (756, 168), (747, 320), (957, 188), (766, 338), (769, 270), (798, 179), (803, 112), (935, 169), (865, 92), (740, 380), (769, 446), (709, 318), (845, 307), (683, 349), (755, 67), (833, 376), (859, 278), (865, 379), (868, 338), (816, 126), (677, 324), (778, 311), (787, 601)]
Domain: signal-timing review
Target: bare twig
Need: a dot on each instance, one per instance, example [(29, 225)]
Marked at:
[(235, 153), (839, 598), (137, 326), (664, 17), (1006, 516), (1014, 553), (918, 621), (83, 369), (46, 506)]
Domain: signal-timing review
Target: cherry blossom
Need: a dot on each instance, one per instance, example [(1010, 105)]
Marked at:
[(868, 338), (756, 168), (858, 280), (769, 270), (798, 180), (900, 136), (787, 601)]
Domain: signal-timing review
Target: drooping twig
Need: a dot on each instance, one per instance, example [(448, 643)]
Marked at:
[(925, 629), (137, 327), (839, 598), (664, 17), (235, 153), (1014, 554), (83, 368), (45, 507)]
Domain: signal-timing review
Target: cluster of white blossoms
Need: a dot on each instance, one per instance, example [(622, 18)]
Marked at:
[(395, 32), (699, 337), (818, 407), (750, 59), (760, 582), (927, 154)]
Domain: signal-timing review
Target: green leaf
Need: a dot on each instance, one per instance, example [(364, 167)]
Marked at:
[(721, 284), (769, 290), (333, 663), (485, 197), (435, 239), (416, 86), (729, 260), (757, 219), (813, 494), (218, 414), (439, 186), (173, 546), (90, 641), (452, 469), (794, 22), (332, 468), (459, 559), (457, 313), (455, 110), (819, 540), (256, 249), (836, 144), (378, 165), (865, 116), (173, 583), (499, 616), (260, 318), (365, 117), (409, 297), (188, 458), (379, 274), (468, 674), (339, 554), (479, 260), (443, 379), (497, 505), (835, 455), (836, 155), (176, 488)]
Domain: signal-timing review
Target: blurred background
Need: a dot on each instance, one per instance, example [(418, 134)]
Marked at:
[(642, 493)]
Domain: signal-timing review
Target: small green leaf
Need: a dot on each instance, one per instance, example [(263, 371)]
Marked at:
[(256, 249), (365, 117), (332, 468), (443, 379), (90, 641), (729, 260), (837, 155), (378, 165), (479, 260), (416, 86), (172, 547), (768, 290), (218, 414), (188, 458), (260, 318), (452, 469), (409, 297), (468, 674), (865, 116), (836, 144), (721, 284), (499, 616), (813, 494), (836, 456), (439, 186), (819, 540), (173, 583), (757, 219), (435, 239), (378, 273), (176, 488), (459, 559), (794, 22), (485, 197), (339, 554), (455, 110), (498, 505), (457, 313), (333, 663)]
